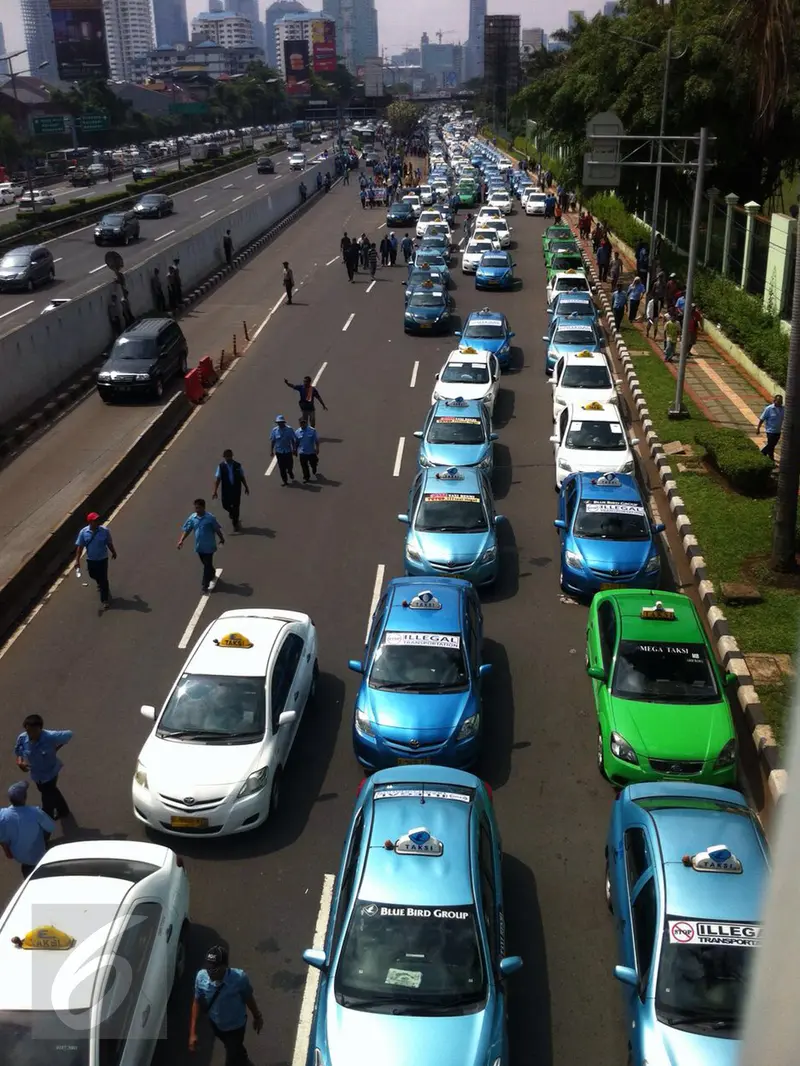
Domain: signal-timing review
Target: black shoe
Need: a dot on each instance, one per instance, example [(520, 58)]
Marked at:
[(306, 480)]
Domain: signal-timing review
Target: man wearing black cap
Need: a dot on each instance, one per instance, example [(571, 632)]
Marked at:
[(225, 995), (96, 539)]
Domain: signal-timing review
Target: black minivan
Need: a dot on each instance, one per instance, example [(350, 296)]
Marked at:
[(143, 359)]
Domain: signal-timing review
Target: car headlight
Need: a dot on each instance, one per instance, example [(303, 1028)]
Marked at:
[(254, 783), (425, 463), (363, 724), (469, 727), (489, 555), (486, 462), (409, 316), (573, 560), (627, 468), (564, 465), (727, 757), (653, 564), (622, 749), (143, 377), (140, 777), (104, 375), (413, 554)]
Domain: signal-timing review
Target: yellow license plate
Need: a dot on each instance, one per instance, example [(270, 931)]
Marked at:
[(609, 585), (425, 325), (413, 762), (188, 823)]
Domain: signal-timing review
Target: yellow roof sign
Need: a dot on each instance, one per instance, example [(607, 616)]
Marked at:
[(585, 354), (45, 938), (469, 350), (595, 406), (234, 640), (427, 284), (658, 613), (571, 270)]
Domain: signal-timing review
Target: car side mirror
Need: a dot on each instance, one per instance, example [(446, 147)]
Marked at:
[(511, 335), (484, 669), (555, 440), (596, 672), (356, 666), (418, 433), (435, 377), (545, 338), (559, 523), (731, 678), (317, 959), (634, 440), (403, 518), (287, 718), (509, 965), (404, 283), (149, 713), (626, 975), (457, 333), (659, 527)]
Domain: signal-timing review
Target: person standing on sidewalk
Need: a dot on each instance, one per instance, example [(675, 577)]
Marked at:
[(619, 301), (307, 449), (36, 753), (309, 395), (96, 539), (24, 830), (282, 446), (206, 531), (772, 421), (670, 338), (635, 293), (695, 325), (288, 281), (615, 270), (225, 995), (230, 478), (227, 247), (603, 258), (672, 291)]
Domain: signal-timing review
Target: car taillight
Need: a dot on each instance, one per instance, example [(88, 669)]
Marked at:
[(488, 788)]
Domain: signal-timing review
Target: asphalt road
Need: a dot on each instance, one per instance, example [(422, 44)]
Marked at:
[(319, 549), (80, 264)]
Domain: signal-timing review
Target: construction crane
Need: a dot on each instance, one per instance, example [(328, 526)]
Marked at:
[(444, 33)]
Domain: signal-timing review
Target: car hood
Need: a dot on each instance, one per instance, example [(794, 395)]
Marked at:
[(676, 1047), (627, 556), (455, 454), (128, 366), (426, 313), (453, 547), (494, 272), (557, 350), (14, 271), (181, 768), (488, 344), (590, 461), (110, 225), (428, 716), (680, 731), (466, 392)]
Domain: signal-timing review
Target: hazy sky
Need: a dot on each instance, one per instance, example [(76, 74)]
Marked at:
[(400, 22)]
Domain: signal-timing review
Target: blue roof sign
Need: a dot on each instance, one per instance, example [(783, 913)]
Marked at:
[(607, 481), (459, 401), (419, 842), (424, 601), (716, 860), (451, 474)]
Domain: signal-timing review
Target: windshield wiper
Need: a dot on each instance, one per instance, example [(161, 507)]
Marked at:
[(204, 733), (697, 1017)]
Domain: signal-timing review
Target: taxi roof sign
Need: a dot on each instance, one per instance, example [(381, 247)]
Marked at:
[(459, 401), (658, 613), (451, 474), (594, 406), (44, 938), (419, 842), (607, 481), (423, 601), (718, 859), (583, 355), (234, 640), (469, 350)]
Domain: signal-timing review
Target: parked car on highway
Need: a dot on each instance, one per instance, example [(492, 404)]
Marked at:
[(26, 267), (143, 359), (78, 176), (6, 196), (41, 198), (154, 205), (16, 188), (264, 165), (121, 227)]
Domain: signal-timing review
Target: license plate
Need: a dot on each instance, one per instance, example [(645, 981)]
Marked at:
[(188, 823), (413, 762), (609, 585), (425, 325)]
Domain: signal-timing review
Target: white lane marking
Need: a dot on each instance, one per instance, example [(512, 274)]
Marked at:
[(197, 199), (398, 459), (371, 285), (187, 633), (211, 212), (334, 260), (247, 177), (101, 267), (382, 225), (320, 372), (59, 259), (19, 307), (461, 241), (233, 201), (261, 186), (304, 1022), (346, 326), (228, 186), (376, 595), (271, 466), (414, 375), (163, 235), (269, 316)]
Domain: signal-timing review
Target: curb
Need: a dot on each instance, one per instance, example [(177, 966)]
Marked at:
[(730, 654)]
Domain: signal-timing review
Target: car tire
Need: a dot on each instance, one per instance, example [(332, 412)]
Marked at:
[(183, 367), (158, 388), (31, 285), (107, 397), (127, 239), (275, 793), (607, 889), (599, 756), (181, 957), (51, 276)]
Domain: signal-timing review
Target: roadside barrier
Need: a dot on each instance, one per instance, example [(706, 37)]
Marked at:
[(193, 387)]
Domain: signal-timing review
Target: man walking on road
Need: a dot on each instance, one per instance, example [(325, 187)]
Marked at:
[(206, 531), (157, 292), (372, 259), (307, 449), (618, 303), (288, 281), (24, 830), (772, 421), (351, 259), (230, 478), (225, 995), (227, 247), (36, 753), (283, 445), (96, 539), (309, 395)]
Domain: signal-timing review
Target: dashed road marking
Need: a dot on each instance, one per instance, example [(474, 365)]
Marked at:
[(187, 633), (334, 260), (413, 381), (163, 235), (197, 199), (101, 267), (240, 197), (376, 594), (398, 459), (346, 326), (19, 307), (371, 285), (211, 212), (320, 372)]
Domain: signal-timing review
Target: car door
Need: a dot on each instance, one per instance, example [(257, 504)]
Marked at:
[(606, 646), (284, 696), (562, 431), (494, 371), (644, 930), (132, 1015), (566, 506)]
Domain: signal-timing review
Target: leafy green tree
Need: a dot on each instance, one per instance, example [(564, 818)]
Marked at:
[(402, 116)]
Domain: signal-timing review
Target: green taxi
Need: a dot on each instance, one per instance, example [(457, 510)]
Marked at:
[(561, 262), (467, 193), (658, 692), (560, 246), (559, 232)]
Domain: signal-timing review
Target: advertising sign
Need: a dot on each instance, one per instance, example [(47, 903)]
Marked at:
[(296, 65), (323, 45), (79, 30)]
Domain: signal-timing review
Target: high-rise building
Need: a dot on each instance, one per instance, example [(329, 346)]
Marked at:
[(533, 40), (356, 31), (222, 27), (572, 18), (441, 63), (37, 24), (129, 34), (501, 44), (273, 13), (477, 18), (318, 29), (611, 9), (216, 6), (249, 9), (172, 26), (3, 62)]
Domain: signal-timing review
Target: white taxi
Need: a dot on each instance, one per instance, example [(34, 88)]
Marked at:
[(566, 281), (117, 910), (535, 203), (581, 378), (213, 763), (591, 437), (499, 228), (475, 250), (502, 200), (488, 214), (427, 195), (469, 374), (427, 218), (416, 203)]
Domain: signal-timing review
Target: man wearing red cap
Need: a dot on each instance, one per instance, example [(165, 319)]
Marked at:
[(96, 539)]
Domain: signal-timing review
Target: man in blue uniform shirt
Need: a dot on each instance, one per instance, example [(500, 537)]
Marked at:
[(772, 421), (307, 449), (24, 830), (206, 529), (96, 539), (35, 752), (225, 995), (283, 445)]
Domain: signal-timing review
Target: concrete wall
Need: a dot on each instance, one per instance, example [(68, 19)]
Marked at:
[(39, 357)]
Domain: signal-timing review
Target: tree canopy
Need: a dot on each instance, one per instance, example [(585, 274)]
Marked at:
[(403, 117)]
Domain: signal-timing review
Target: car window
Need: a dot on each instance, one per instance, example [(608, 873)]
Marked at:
[(637, 856), (612, 520), (283, 675), (644, 930), (211, 705), (594, 435), (607, 632), (563, 422), (458, 373), (488, 890), (592, 376), (473, 620), (664, 673), (569, 501), (455, 429), (348, 878)]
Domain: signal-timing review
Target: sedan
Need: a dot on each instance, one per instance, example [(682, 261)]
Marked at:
[(427, 311), (489, 331), (502, 200), (457, 433), (142, 173), (591, 437), (401, 215), (122, 227), (474, 251), (495, 271), (40, 199), (469, 373), (265, 165), (535, 203), (154, 205)]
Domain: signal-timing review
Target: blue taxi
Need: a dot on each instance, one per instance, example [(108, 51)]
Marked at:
[(495, 271), (457, 433), (427, 310), (686, 874), (420, 697), (414, 963), (418, 279), (607, 538), (568, 335), (573, 303), (488, 331), (432, 260), (452, 524)]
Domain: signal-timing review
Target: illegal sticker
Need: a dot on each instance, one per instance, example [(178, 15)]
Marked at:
[(418, 793), (709, 934), (447, 497), (423, 640), (612, 507)]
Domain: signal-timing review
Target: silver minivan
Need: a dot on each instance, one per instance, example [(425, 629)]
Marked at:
[(26, 267)]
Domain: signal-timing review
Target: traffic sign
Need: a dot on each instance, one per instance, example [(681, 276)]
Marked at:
[(92, 121), (601, 164), (317, 103), (191, 107), (43, 124)]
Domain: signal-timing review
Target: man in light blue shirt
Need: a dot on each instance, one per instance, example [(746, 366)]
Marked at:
[(307, 449), (282, 446), (772, 421), (24, 830), (206, 530), (96, 539), (225, 995), (35, 752)]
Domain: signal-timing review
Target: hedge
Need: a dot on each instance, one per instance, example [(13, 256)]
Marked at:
[(737, 458), (740, 316)]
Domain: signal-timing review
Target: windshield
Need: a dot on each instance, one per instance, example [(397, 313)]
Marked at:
[(133, 348), (437, 229), (451, 512), (112, 220), (585, 377), (611, 520), (424, 662), (484, 331), (43, 1038), (411, 960), (575, 335), (479, 247), (574, 307), (664, 673), (215, 705), (151, 200), (495, 261), (15, 259), (565, 284), (596, 436), (565, 262), (425, 299), (455, 429), (465, 374)]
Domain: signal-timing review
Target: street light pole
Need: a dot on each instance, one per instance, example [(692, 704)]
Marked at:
[(13, 76)]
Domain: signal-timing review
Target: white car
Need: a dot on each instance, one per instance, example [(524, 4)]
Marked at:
[(297, 161), (498, 229), (469, 374), (92, 944), (535, 204), (567, 281), (475, 250), (501, 200), (489, 214), (426, 218), (580, 378), (504, 165), (591, 437), (213, 763), (40, 198), (15, 188), (6, 197), (416, 203), (427, 195), (440, 229)]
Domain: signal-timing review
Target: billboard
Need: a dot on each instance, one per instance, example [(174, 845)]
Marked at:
[(79, 30), (323, 45), (298, 71), (373, 77)]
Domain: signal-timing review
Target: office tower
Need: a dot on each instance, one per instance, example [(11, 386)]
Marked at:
[(37, 25), (572, 18), (172, 26), (477, 20), (129, 34), (3, 62), (225, 28), (249, 9), (215, 6), (501, 44), (356, 31), (533, 40), (273, 13)]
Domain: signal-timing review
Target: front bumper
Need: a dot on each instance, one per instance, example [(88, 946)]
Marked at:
[(223, 817), (621, 773), (12, 285), (125, 388), (477, 573), (440, 326), (377, 753), (497, 284), (586, 582)]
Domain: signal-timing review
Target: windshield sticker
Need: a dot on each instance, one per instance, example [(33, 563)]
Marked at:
[(484, 322), (708, 934), (404, 978), (577, 425), (615, 427), (451, 497), (377, 910), (668, 649), (424, 640), (612, 507), (459, 421), (418, 793), (459, 366)]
